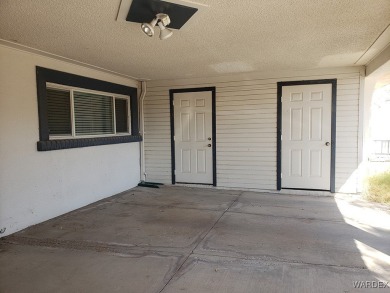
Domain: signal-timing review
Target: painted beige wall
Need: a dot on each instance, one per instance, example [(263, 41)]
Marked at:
[(36, 186)]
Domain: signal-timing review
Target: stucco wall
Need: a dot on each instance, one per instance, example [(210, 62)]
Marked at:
[(36, 186)]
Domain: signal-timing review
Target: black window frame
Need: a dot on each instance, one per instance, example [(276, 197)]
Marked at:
[(45, 75)]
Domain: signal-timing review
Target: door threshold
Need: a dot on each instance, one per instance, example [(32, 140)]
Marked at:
[(194, 183), (308, 189), (200, 185), (312, 192)]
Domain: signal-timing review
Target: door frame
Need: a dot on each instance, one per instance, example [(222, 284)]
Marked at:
[(280, 85), (214, 131)]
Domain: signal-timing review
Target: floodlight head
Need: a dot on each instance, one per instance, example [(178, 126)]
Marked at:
[(165, 33), (164, 18), (148, 28)]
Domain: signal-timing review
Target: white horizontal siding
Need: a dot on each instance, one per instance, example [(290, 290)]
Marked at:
[(246, 114), (347, 128)]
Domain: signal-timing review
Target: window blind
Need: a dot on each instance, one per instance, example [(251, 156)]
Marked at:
[(59, 112), (93, 114), (121, 113)]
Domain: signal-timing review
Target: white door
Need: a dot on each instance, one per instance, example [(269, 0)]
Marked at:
[(193, 137), (306, 136)]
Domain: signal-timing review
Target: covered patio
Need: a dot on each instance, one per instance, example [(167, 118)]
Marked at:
[(182, 239)]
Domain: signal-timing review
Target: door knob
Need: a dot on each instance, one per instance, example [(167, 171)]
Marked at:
[(327, 143), (209, 138), (209, 145)]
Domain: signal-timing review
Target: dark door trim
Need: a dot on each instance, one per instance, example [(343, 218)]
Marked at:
[(333, 82), (214, 132)]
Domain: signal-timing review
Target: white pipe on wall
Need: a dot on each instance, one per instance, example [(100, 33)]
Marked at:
[(142, 130)]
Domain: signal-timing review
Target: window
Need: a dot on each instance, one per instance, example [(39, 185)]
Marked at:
[(77, 111), (74, 112), (121, 114), (58, 112)]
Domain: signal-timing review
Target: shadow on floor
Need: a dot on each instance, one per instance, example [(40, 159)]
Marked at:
[(176, 239)]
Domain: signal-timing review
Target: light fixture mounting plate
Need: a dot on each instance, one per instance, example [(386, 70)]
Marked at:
[(142, 11)]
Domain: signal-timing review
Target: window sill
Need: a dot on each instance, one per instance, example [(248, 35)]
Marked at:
[(60, 144)]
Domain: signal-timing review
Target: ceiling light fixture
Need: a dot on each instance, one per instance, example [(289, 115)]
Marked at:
[(162, 20), (165, 33), (148, 28)]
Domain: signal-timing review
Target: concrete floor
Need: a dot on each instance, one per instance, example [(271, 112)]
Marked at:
[(179, 239)]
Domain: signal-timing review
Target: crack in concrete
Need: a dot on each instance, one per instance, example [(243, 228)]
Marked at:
[(201, 239), (274, 259), (288, 217), (85, 245)]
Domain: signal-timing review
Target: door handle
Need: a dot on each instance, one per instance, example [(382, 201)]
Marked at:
[(327, 143), (209, 145), (209, 138)]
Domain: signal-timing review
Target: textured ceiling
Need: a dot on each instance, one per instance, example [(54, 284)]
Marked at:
[(228, 36)]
